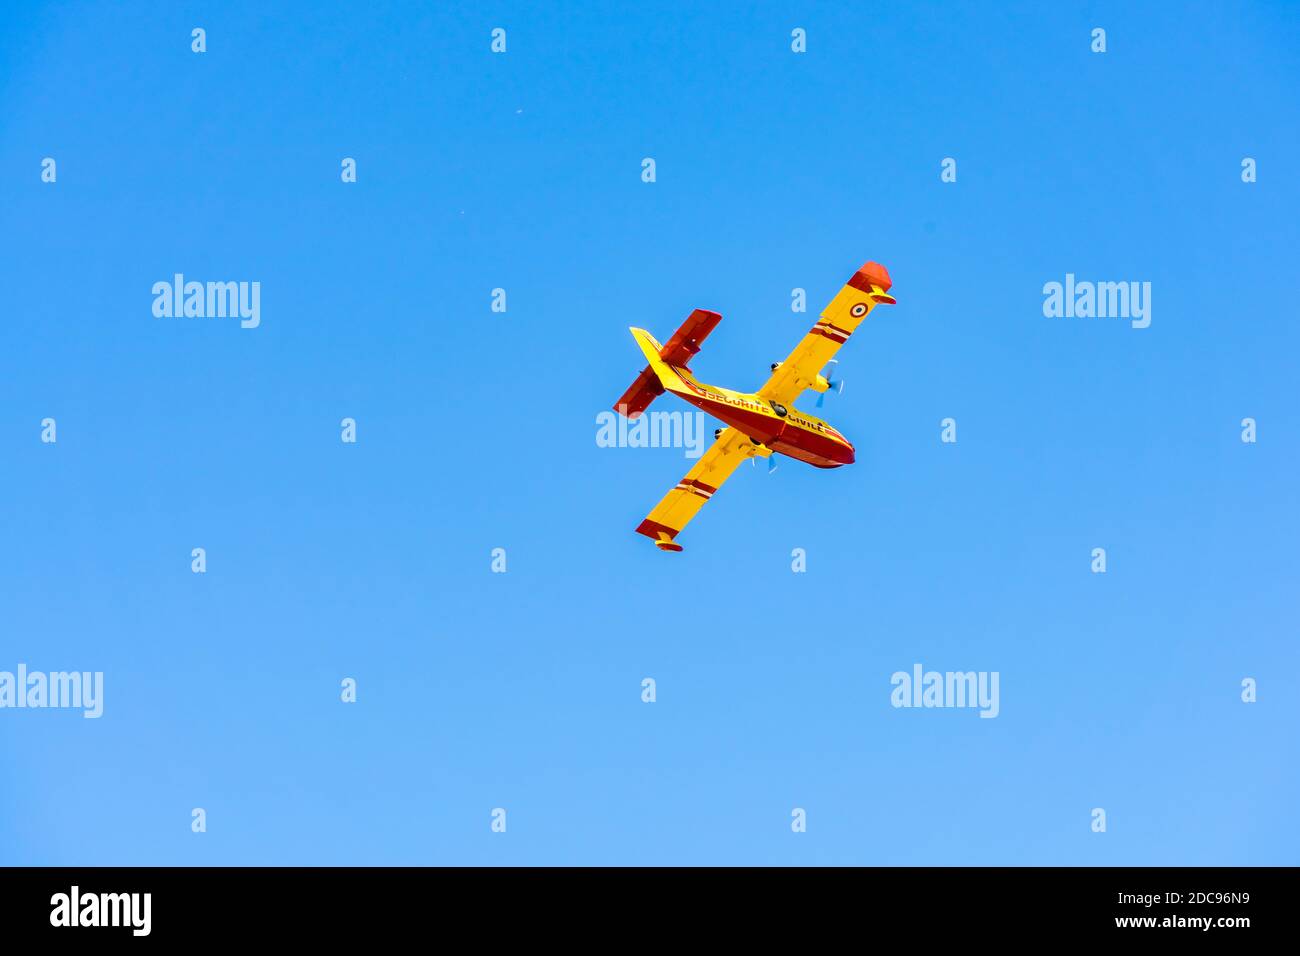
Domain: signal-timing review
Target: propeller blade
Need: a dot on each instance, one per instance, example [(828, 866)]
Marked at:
[(831, 382)]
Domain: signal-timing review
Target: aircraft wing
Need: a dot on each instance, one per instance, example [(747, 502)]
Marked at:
[(867, 289), (805, 363), (680, 505)]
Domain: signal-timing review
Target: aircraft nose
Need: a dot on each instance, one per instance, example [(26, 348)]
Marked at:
[(850, 455)]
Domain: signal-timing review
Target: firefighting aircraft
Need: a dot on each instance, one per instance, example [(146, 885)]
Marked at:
[(759, 424)]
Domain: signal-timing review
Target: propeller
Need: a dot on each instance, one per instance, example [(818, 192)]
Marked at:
[(832, 383), (753, 459)]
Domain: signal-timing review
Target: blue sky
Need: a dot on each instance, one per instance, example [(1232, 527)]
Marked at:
[(476, 430)]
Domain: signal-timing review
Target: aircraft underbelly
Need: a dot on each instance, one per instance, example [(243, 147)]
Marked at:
[(778, 434)]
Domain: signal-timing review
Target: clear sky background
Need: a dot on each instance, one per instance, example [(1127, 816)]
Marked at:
[(476, 430)]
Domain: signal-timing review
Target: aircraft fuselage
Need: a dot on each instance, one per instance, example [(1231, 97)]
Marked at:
[(795, 434)]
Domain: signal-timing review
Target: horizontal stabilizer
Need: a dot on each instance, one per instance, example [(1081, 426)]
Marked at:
[(681, 348), (640, 394)]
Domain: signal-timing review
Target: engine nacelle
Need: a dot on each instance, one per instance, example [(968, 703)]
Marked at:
[(820, 384)]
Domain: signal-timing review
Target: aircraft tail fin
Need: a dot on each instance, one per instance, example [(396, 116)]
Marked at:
[(659, 375)]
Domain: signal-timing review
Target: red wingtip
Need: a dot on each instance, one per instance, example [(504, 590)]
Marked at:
[(873, 273)]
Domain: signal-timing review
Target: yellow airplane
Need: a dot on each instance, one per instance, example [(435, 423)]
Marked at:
[(760, 423)]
